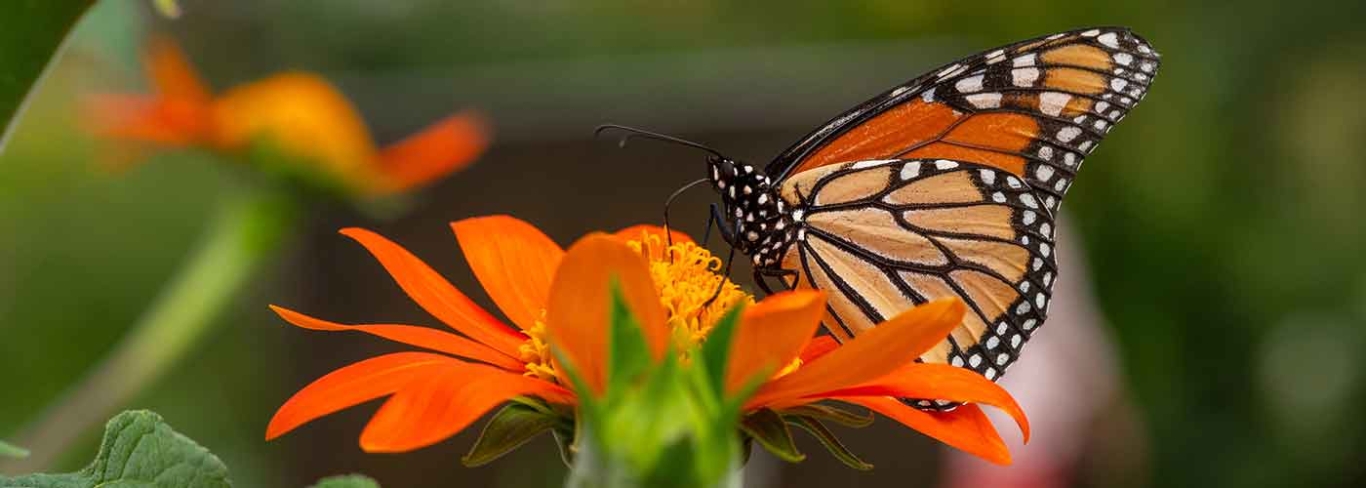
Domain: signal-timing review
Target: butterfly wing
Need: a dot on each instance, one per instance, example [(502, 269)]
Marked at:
[(883, 236), (1034, 109)]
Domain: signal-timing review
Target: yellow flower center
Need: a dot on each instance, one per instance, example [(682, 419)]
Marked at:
[(692, 291), (535, 352), (687, 278)]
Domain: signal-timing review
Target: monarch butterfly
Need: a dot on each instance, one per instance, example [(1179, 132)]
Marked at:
[(945, 186)]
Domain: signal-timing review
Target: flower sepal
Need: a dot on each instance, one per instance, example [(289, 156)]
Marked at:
[(517, 423)]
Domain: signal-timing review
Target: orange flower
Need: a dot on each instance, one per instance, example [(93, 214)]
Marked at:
[(302, 114), (774, 340), (561, 298)]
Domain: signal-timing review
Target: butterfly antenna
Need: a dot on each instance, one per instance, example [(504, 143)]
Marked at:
[(668, 233), (634, 132)]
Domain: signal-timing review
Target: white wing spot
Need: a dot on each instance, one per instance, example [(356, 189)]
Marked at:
[(992, 342), (1100, 124), (950, 71), (1028, 217), (1015, 341), (1029, 200), (1061, 184), (969, 84), (928, 96), (1001, 328), (1045, 249), (911, 170), (988, 176), (1066, 134), (1091, 33), (1047, 230), (1024, 77), (1110, 39), (1046, 153), (1124, 58), (1069, 159), (1044, 172), (1029, 324), (870, 163), (1052, 103), (998, 197), (985, 100), (1024, 60), (1002, 358), (975, 360), (1118, 84), (944, 164)]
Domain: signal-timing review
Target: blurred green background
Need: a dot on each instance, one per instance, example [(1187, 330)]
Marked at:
[(1223, 221)]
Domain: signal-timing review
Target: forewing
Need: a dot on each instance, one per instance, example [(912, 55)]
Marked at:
[(1034, 109)]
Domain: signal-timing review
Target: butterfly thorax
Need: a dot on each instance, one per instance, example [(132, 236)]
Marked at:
[(761, 223)]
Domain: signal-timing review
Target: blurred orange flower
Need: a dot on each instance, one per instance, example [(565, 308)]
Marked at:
[(301, 113), (560, 298)]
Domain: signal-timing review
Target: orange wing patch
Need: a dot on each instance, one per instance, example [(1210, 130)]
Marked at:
[(886, 135)]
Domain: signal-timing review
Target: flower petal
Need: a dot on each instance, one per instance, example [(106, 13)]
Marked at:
[(436, 295), (772, 333), (513, 260), (446, 401), (411, 334), (819, 346), (351, 385), (965, 427), (580, 300), (441, 149), (941, 382), (872, 354), (171, 73)]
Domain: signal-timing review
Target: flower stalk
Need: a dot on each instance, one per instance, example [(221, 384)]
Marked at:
[(249, 226)]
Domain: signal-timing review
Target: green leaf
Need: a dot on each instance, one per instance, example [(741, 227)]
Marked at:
[(828, 439), (511, 427), (716, 350), (31, 34), (139, 450), (12, 451), (628, 353), (830, 413), (768, 429)]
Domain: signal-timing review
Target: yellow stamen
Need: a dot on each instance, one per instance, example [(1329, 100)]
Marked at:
[(686, 276), (535, 352)]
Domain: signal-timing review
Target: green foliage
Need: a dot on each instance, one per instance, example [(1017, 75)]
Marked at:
[(828, 439), (139, 450), (347, 481), (30, 35), (768, 429), (658, 423), (511, 427), (12, 451)]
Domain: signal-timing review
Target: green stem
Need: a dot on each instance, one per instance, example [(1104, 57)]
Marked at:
[(249, 227)]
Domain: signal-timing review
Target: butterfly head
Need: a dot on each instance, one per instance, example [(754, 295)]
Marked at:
[(761, 222)]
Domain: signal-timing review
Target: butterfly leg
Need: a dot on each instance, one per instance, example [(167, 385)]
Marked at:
[(761, 275), (715, 218), (729, 236)]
